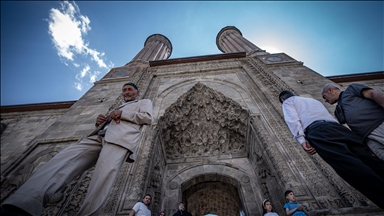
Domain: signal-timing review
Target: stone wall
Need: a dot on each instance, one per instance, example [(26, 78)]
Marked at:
[(22, 128)]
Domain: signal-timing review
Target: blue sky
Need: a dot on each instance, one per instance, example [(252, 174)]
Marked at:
[(54, 50)]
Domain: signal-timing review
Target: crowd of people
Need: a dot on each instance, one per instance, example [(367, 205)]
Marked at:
[(141, 208), (356, 154), (292, 207), (346, 151)]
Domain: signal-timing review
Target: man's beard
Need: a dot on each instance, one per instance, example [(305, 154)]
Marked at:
[(127, 100)]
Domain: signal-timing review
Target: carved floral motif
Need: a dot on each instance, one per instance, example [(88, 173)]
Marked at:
[(203, 122)]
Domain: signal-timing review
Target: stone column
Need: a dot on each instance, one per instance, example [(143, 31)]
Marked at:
[(156, 47), (230, 40)]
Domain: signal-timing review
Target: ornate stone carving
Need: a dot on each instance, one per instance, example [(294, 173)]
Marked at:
[(78, 195), (337, 183), (245, 179), (203, 122), (173, 185), (56, 197), (137, 189), (59, 200), (114, 197), (156, 179)]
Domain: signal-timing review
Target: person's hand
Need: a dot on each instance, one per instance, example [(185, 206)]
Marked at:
[(300, 207), (100, 119), (116, 115), (308, 148)]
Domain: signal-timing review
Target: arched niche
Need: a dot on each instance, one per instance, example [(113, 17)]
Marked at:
[(168, 95), (203, 123), (212, 194), (181, 185)]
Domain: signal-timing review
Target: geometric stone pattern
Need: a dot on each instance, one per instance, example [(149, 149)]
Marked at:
[(155, 183), (137, 186), (270, 178), (69, 200)]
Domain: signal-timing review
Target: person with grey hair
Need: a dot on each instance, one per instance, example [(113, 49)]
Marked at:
[(362, 109), (115, 138), (318, 132)]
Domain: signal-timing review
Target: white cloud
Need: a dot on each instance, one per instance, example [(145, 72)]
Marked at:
[(65, 34), (93, 76), (111, 64), (84, 71), (79, 86), (95, 56), (68, 28), (85, 24)]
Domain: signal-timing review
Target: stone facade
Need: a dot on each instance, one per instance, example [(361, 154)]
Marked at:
[(218, 141)]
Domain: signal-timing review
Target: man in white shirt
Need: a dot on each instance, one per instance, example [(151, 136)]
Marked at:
[(106, 150), (318, 132), (141, 208)]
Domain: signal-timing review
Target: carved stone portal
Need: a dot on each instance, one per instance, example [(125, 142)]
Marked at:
[(203, 122)]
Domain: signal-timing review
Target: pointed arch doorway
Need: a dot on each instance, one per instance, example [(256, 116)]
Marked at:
[(203, 139), (212, 194)]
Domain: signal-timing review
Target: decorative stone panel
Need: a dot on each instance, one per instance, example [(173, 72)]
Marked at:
[(22, 129), (34, 158), (203, 122)]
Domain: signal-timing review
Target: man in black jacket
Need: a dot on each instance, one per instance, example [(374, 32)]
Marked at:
[(362, 109), (181, 210)]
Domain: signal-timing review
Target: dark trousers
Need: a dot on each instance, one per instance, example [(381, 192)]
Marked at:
[(350, 158)]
